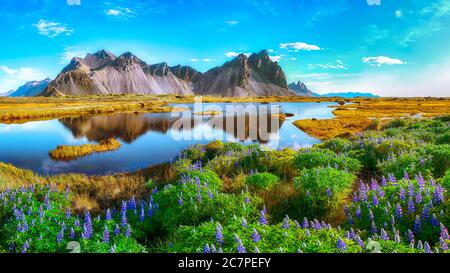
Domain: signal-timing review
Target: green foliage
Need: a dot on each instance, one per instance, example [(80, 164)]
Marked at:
[(322, 190), (307, 159), (337, 145), (263, 181), (274, 239)]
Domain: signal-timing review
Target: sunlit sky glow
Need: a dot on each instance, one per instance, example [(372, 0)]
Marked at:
[(399, 48)]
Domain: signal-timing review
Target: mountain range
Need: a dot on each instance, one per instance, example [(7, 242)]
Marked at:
[(104, 73), (347, 95), (31, 88)]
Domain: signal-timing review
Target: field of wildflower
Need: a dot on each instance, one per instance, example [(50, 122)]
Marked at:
[(379, 191)]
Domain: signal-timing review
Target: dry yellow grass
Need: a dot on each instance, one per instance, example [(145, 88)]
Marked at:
[(65, 152), (363, 114), (19, 110)]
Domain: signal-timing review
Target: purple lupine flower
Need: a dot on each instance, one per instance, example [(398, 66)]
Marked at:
[(411, 208), (262, 218), (410, 236), (362, 195), (384, 235), (405, 175), (392, 178), (350, 219), (371, 216), (206, 249), (108, 215), (410, 189), (434, 220), (417, 225), (247, 200), (128, 231), (329, 193), (60, 236), (419, 245), (427, 248), (142, 214), (358, 212), (398, 211), (419, 197), (199, 197), (132, 204), (381, 192), (244, 222), (402, 195), (438, 195), (286, 222), (219, 234), (305, 223), (420, 180), (255, 236), (373, 228), (341, 246), (25, 247), (425, 213), (117, 230), (359, 242), (444, 232), (106, 235), (383, 181), (355, 197), (375, 200)]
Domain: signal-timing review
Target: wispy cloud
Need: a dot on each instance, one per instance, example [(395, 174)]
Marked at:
[(232, 22), (232, 54), (73, 2), (201, 60), (121, 12), (52, 29), (429, 20), (382, 60), (299, 46), (337, 65), (11, 78), (71, 52)]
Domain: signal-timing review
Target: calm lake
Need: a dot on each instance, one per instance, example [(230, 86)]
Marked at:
[(147, 139)]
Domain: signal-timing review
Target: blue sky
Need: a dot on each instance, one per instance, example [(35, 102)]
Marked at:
[(397, 48)]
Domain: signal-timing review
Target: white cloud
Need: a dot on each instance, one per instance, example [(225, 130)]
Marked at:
[(299, 46), (52, 29), (398, 13), (71, 52), (74, 2), (232, 22), (276, 58), (232, 54), (382, 60), (337, 65), (11, 78), (293, 59), (201, 60), (120, 12), (8, 70)]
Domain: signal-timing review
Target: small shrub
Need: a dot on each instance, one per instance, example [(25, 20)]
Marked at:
[(263, 181)]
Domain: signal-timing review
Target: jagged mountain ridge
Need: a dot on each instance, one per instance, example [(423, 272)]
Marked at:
[(31, 88), (300, 89), (104, 73)]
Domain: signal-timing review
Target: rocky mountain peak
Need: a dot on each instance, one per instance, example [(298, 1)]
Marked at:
[(127, 59), (103, 54), (270, 70), (76, 63), (185, 73), (99, 58), (160, 69), (300, 88)]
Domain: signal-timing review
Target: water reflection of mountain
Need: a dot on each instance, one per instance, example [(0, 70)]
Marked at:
[(129, 127)]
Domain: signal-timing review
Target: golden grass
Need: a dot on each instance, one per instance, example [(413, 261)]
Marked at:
[(65, 152), (90, 191), (363, 114), (19, 110)]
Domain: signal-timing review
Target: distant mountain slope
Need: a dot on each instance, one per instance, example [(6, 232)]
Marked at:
[(349, 95), (31, 88), (104, 73), (300, 89)]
